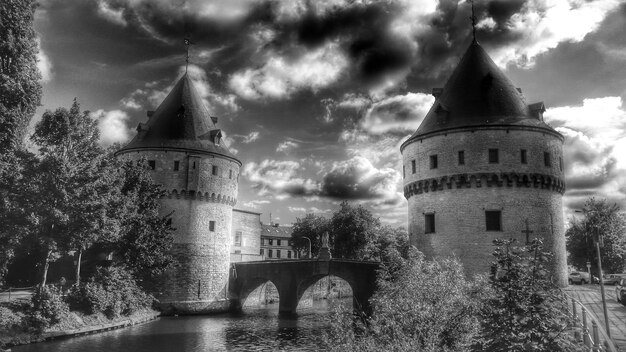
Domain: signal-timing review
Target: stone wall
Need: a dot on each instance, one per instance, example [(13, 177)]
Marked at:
[(459, 207), (249, 224)]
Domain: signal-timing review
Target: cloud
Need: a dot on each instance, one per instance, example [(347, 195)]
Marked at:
[(255, 203), (229, 142), (281, 76), (251, 137), (400, 113), (43, 63), (113, 15), (286, 146), (311, 210), (112, 125), (357, 178), (594, 149), (278, 177)]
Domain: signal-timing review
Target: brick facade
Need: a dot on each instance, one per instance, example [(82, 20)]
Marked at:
[(246, 229)]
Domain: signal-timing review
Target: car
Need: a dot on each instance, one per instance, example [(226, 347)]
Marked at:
[(578, 277), (613, 279), (620, 291)]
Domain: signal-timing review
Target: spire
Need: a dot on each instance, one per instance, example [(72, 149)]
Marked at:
[(478, 94), (182, 121), (188, 43), (473, 19)]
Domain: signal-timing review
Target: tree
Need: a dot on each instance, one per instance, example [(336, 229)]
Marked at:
[(313, 227), (606, 220), (20, 91), (526, 311), (64, 187), (352, 228), (423, 306)]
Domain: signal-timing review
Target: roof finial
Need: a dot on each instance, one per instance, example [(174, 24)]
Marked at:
[(188, 43), (473, 18)]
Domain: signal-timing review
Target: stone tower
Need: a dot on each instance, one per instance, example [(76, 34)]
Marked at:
[(484, 165), (185, 150)]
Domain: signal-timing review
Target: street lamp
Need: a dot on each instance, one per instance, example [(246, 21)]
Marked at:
[(589, 271), (308, 239), (597, 241)]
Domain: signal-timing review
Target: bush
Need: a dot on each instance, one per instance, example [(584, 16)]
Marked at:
[(423, 306), (48, 308), (9, 320), (112, 291)]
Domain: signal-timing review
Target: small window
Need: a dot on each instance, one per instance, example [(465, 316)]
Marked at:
[(152, 164), (493, 219), (413, 166), (212, 226), (289, 254), (461, 157), (524, 156), (493, 156), (561, 163), (433, 161), (230, 174), (262, 251), (429, 223), (269, 253), (214, 170), (271, 241), (278, 253), (546, 158), (238, 238), (403, 171), (237, 251), (278, 242), (194, 165), (176, 165)]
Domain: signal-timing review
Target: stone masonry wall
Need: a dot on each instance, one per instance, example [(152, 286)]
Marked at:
[(249, 224), (460, 224)]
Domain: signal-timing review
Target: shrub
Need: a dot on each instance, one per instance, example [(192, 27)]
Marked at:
[(48, 308), (112, 291), (423, 306), (9, 320)]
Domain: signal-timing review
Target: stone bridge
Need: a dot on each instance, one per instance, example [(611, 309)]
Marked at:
[(293, 277)]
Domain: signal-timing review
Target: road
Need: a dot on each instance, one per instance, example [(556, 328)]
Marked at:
[(589, 295)]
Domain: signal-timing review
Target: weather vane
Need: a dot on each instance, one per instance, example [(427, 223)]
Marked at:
[(473, 18), (188, 43)]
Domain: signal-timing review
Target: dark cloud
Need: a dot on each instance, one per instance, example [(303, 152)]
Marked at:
[(502, 10), (357, 178)]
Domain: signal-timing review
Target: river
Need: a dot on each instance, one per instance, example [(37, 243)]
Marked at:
[(257, 329)]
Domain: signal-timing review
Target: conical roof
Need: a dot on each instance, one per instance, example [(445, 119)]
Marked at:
[(181, 122), (479, 94)]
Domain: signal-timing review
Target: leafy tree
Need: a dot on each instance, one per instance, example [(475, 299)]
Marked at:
[(526, 311), (20, 91), (64, 188), (423, 306), (313, 227), (604, 219), (146, 237), (352, 228)]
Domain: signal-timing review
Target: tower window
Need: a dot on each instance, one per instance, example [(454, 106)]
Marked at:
[(461, 157), (429, 223), (493, 219), (194, 165), (176, 165), (212, 226), (413, 165), (403, 171), (230, 174), (238, 238), (523, 156), (546, 158), (152, 164), (433, 162), (214, 170), (493, 156), (561, 163)]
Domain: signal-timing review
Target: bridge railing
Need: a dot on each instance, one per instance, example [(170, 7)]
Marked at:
[(12, 293), (587, 329)]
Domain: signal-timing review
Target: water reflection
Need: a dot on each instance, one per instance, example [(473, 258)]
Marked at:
[(257, 329)]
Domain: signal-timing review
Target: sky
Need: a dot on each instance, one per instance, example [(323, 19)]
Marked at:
[(315, 97)]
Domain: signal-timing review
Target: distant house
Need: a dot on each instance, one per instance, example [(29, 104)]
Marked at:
[(275, 242)]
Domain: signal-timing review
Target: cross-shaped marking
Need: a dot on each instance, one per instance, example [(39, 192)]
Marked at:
[(527, 232)]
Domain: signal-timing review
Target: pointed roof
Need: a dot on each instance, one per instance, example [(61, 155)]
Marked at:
[(182, 122), (479, 94)]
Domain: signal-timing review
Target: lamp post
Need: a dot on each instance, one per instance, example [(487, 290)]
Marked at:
[(597, 239), (589, 270)]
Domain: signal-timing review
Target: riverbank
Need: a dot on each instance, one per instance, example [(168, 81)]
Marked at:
[(76, 324)]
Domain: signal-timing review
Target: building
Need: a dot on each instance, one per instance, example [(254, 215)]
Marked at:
[(184, 149), (483, 165), (276, 242)]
